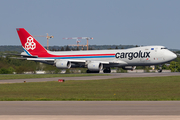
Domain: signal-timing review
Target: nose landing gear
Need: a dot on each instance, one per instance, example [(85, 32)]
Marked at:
[(160, 69)]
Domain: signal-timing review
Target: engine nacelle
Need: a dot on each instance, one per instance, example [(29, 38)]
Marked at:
[(63, 64), (95, 66), (129, 67)]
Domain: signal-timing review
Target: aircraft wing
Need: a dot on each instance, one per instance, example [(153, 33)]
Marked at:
[(50, 60), (79, 61)]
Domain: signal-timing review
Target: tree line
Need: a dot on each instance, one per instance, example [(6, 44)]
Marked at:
[(19, 49)]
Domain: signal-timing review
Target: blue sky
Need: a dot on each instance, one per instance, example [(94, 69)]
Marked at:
[(109, 22)]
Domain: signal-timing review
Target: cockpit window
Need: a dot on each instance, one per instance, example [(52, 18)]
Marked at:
[(163, 48)]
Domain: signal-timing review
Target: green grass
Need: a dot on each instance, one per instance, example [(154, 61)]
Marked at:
[(28, 76), (119, 89)]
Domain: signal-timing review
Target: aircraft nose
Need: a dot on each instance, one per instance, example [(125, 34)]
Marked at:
[(175, 56), (172, 55)]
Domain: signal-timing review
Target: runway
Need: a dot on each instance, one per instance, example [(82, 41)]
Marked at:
[(112, 75), (90, 110), (89, 107)]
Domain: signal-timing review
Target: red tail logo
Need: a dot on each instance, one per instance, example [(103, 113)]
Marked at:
[(30, 44)]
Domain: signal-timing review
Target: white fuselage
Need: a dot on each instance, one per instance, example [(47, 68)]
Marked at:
[(148, 55)]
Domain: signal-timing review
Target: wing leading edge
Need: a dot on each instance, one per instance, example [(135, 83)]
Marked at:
[(78, 61)]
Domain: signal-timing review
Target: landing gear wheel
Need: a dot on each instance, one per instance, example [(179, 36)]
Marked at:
[(88, 71), (160, 70), (107, 70)]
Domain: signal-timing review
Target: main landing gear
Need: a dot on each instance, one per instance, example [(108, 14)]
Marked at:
[(107, 70), (88, 71)]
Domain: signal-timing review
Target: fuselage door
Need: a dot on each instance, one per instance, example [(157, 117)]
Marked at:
[(158, 55)]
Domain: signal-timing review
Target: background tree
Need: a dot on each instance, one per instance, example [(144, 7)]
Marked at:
[(67, 48), (62, 48), (174, 66)]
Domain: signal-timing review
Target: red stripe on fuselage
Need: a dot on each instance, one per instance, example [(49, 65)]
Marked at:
[(51, 55)]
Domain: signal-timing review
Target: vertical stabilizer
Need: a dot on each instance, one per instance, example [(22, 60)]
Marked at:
[(30, 45)]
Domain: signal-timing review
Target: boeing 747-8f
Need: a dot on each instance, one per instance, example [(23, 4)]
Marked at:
[(95, 60)]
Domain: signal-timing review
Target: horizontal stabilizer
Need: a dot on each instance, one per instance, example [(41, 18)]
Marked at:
[(26, 56), (20, 58)]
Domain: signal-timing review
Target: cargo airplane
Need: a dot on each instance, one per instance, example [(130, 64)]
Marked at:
[(95, 60)]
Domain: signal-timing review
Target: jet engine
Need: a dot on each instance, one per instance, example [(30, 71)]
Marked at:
[(129, 67), (63, 64), (95, 66)]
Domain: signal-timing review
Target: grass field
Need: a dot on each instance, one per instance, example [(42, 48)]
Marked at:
[(120, 89), (28, 76)]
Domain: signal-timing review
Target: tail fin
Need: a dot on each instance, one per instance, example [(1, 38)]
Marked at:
[(30, 45)]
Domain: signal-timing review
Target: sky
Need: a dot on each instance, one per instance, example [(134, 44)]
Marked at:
[(109, 22)]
